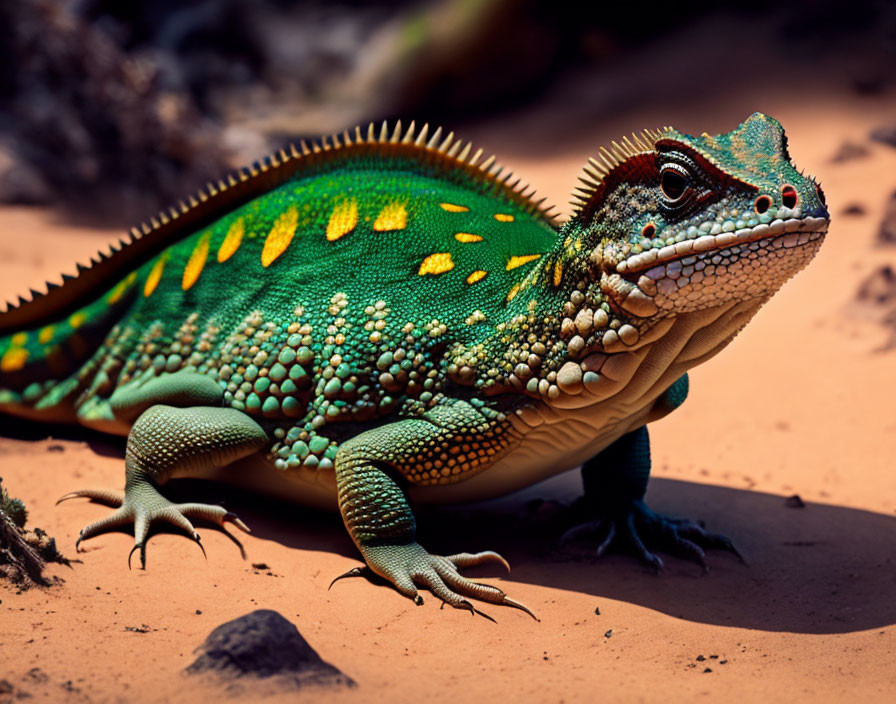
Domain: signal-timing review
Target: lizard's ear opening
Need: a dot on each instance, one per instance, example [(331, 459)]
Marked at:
[(631, 159)]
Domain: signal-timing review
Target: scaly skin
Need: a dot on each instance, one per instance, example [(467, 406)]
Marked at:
[(383, 319)]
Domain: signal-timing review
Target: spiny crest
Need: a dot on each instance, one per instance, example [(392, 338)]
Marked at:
[(216, 198), (598, 172)]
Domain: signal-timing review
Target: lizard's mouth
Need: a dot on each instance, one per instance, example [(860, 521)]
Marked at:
[(712, 269), (792, 232)]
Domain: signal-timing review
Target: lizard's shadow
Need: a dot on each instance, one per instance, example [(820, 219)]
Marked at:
[(818, 569)]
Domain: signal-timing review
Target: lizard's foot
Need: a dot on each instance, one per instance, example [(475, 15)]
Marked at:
[(407, 565), (634, 529), (142, 505)]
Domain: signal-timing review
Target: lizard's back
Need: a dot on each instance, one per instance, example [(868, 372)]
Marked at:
[(322, 305)]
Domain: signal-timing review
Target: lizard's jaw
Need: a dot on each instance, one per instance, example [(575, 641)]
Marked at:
[(712, 270)]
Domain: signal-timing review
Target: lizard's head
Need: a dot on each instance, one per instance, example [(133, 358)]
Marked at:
[(674, 223)]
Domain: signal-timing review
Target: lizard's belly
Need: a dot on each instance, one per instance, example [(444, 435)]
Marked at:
[(559, 443), (550, 441), (309, 487)]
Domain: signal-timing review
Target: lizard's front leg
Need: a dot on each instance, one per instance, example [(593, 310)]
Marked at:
[(370, 471), (167, 442), (615, 483)]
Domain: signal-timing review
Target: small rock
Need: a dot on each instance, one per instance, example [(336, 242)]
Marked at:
[(35, 674), (700, 658), (886, 233), (260, 566), (608, 633), (794, 501), (885, 135), (853, 210), (597, 611), (264, 644), (708, 669), (849, 151), (879, 288)]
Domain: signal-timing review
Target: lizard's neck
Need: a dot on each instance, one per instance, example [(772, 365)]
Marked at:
[(570, 317), (565, 310)]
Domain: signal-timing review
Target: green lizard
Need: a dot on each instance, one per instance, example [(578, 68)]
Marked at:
[(384, 318)]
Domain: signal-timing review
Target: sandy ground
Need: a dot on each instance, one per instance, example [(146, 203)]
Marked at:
[(802, 402)]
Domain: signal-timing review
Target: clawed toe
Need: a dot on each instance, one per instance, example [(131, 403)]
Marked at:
[(406, 566), (633, 530), (105, 496), (149, 507)]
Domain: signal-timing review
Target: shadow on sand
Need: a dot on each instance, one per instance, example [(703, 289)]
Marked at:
[(818, 569)]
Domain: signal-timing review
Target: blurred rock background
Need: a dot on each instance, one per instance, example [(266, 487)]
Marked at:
[(114, 110)]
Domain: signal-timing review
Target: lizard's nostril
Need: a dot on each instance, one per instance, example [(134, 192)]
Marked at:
[(762, 204), (788, 196)]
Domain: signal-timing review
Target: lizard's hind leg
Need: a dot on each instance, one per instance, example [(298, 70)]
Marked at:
[(167, 442)]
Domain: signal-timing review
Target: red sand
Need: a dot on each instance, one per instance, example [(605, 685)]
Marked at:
[(800, 403)]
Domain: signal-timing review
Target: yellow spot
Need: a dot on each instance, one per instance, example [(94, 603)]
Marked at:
[(155, 275), (45, 335), (436, 264), (116, 293), (452, 208), (196, 262), (477, 275), (280, 236), (77, 320), (503, 217), (467, 237), (515, 290), (14, 359), (232, 240), (343, 219), (558, 274), (19, 339), (392, 217), (519, 261)]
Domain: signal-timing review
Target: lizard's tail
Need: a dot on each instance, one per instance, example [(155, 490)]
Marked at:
[(45, 367)]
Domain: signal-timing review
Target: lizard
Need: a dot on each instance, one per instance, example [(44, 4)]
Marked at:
[(384, 318)]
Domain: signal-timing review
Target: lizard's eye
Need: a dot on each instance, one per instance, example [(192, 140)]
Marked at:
[(674, 182)]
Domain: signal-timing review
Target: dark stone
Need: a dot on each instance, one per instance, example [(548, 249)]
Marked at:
[(879, 288), (853, 210), (849, 151), (884, 135), (264, 644), (886, 233), (794, 501)]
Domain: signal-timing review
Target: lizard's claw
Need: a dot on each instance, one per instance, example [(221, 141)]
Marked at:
[(637, 527), (407, 565), (146, 506)]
